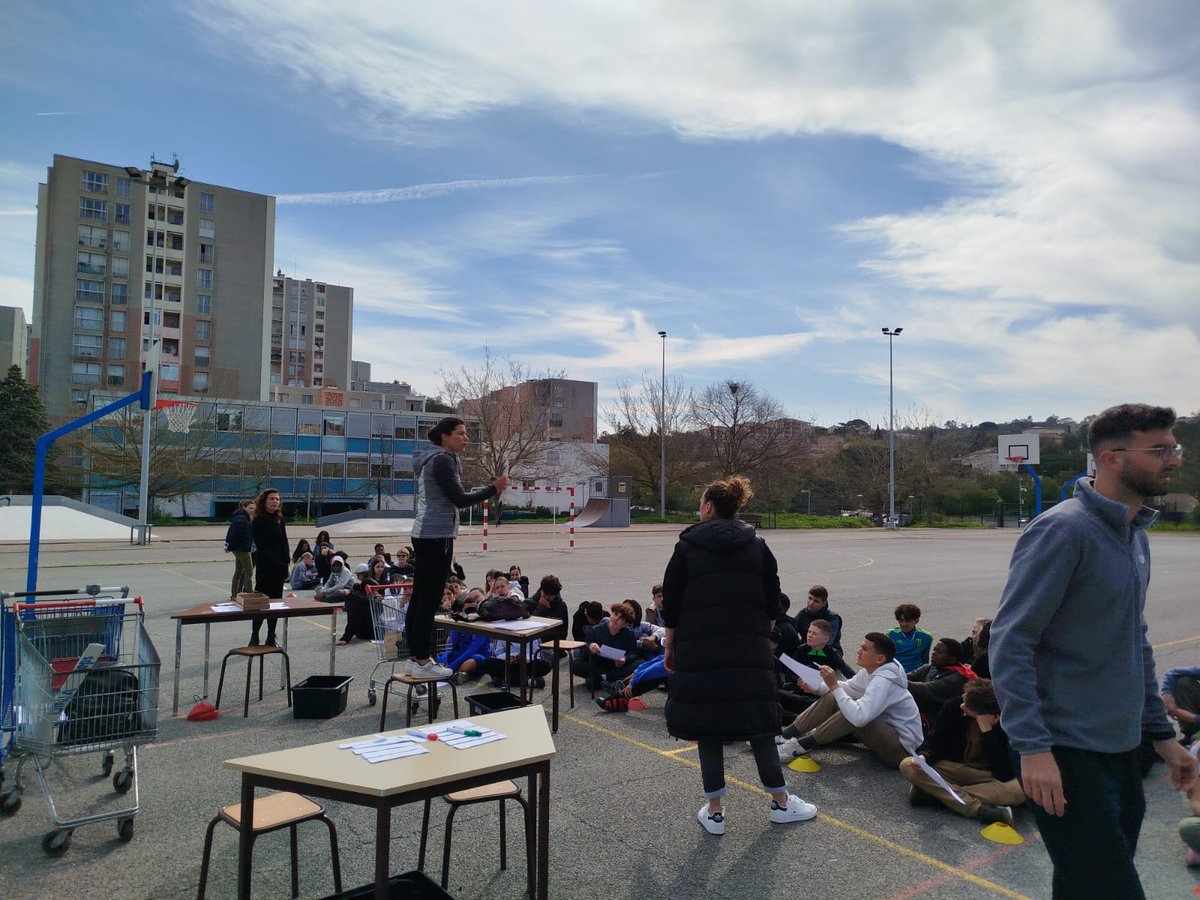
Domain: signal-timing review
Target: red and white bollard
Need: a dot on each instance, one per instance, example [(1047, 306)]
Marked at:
[(571, 531), (485, 525)]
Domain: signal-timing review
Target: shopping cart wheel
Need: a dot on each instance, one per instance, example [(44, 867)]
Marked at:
[(125, 828), (56, 843), (123, 780), (370, 696), (106, 767), (10, 802)]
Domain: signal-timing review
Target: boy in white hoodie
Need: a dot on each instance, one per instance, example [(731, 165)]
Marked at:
[(874, 706)]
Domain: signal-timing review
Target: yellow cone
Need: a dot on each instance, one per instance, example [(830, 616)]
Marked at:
[(999, 833), (803, 764)]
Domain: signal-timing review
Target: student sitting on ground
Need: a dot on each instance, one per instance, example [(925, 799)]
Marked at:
[(1189, 826), (941, 681), (401, 568), (612, 632), (654, 610), (912, 643), (815, 652), (519, 580), (589, 614), (874, 706), (465, 653), (969, 749), (817, 607), (358, 604), (1181, 695), (645, 677), (977, 652), (547, 602), (323, 557), (504, 665), (649, 638), (304, 574), (302, 547), (336, 587)]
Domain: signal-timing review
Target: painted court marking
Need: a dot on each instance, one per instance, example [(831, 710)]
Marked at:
[(949, 870)]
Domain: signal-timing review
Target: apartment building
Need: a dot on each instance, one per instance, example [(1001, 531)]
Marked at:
[(14, 339), (120, 246), (310, 333)]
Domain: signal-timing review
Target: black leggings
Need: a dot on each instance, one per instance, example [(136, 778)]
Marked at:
[(766, 757), (431, 567)]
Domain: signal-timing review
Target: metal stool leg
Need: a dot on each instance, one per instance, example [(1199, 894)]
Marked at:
[(424, 835), (529, 840), (295, 861), (221, 682), (249, 675), (204, 859), (503, 838), (261, 662), (454, 697), (387, 689), (446, 845), (333, 852), (287, 674), (408, 707)]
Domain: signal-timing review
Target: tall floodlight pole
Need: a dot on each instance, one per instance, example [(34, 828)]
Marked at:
[(891, 333), (662, 434)]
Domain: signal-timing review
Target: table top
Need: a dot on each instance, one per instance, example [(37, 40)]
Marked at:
[(296, 606), (498, 629), (527, 740)]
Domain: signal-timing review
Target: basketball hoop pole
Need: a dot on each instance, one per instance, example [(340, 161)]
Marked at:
[(150, 388)]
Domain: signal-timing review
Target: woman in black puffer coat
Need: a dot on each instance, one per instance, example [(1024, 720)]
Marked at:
[(720, 600)]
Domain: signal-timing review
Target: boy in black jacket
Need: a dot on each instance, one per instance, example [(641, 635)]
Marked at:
[(815, 652), (969, 749)]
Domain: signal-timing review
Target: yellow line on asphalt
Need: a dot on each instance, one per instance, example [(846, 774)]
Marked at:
[(829, 820), (1173, 643)]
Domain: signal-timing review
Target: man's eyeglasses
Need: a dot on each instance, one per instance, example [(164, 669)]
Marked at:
[(1162, 451)]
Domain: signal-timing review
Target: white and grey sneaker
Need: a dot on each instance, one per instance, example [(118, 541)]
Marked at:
[(789, 750), (713, 824), (795, 811), (429, 670)]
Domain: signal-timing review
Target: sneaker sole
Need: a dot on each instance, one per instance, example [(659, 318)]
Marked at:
[(707, 830), (789, 821)]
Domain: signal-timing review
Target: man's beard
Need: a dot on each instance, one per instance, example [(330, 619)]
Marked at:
[(1144, 484)]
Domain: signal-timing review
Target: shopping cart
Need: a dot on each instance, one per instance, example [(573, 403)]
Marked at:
[(388, 605), (80, 676)]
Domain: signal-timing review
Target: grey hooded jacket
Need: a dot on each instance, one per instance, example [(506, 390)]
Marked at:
[(440, 493)]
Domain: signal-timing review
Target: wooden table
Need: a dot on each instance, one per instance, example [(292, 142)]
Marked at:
[(539, 627), (322, 770), (203, 615)]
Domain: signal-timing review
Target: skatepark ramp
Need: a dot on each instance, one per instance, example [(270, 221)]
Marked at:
[(608, 505)]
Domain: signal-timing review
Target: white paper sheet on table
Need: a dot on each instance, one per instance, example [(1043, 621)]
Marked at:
[(226, 607), (611, 652), (810, 676), (450, 738), (384, 747), (937, 778), (517, 625), (278, 604)]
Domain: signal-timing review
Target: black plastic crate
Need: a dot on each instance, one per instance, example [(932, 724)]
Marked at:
[(413, 885), (497, 701), (320, 696)]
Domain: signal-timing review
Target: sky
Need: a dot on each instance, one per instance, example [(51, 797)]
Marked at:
[(1016, 185)]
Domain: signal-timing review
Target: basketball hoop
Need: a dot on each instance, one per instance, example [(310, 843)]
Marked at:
[(180, 414), (1015, 462)]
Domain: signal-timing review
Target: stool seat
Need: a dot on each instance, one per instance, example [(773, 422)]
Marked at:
[(274, 811), (566, 645), (412, 682), (495, 791), (259, 650), (405, 678)]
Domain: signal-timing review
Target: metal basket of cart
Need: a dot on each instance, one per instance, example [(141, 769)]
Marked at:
[(388, 605), (87, 679)]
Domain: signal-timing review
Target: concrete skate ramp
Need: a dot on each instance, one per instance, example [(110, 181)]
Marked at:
[(63, 519), (600, 512)]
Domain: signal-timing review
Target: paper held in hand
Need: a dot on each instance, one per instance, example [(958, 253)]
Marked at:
[(807, 674), (611, 652), (937, 778)]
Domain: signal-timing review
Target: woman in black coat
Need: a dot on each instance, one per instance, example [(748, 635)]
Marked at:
[(274, 556), (720, 601)]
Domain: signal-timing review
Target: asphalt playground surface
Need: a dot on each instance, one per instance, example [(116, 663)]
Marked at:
[(624, 794)]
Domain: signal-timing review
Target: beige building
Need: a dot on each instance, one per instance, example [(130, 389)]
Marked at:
[(14, 339), (108, 237), (310, 333)]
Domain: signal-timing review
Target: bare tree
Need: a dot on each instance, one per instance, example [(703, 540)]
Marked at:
[(744, 428), (514, 409)]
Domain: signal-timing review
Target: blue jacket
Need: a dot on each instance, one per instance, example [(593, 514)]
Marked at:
[(238, 536), (1173, 675), (440, 493), (1070, 659), (462, 646)]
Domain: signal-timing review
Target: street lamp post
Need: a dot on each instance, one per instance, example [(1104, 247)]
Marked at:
[(891, 333), (662, 434), (807, 501)]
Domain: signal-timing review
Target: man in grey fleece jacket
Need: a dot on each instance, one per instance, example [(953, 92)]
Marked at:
[(1071, 663)]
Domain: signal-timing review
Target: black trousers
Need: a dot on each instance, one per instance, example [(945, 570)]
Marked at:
[(1093, 842), (431, 567), (766, 758)]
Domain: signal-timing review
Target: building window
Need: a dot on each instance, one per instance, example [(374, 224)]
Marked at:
[(174, 241), (199, 382), (204, 279), (121, 241), (93, 209), (174, 216), (116, 375), (120, 267), (122, 216), (208, 228), (90, 263), (89, 291), (306, 399), (116, 348), (80, 397), (204, 330), (95, 182), (170, 320), (170, 346), (555, 420), (207, 202), (86, 345), (85, 373), (124, 187), (120, 294), (202, 358), (170, 371), (93, 236), (174, 268), (204, 304), (206, 254), (116, 320), (174, 294)]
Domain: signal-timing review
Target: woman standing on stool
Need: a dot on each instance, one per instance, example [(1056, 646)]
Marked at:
[(274, 556), (440, 496), (720, 600)]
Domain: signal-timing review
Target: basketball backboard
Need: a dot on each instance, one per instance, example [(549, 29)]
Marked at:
[(1024, 447)]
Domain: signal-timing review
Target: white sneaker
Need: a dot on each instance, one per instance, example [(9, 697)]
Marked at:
[(789, 750), (795, 811), (780, 739), (429, 670), (713, 824)]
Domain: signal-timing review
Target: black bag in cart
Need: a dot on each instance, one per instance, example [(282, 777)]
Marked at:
[(104, 709)]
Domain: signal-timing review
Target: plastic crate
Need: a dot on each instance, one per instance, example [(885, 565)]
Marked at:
[(320, 696), (497, 701), (413, 885)]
